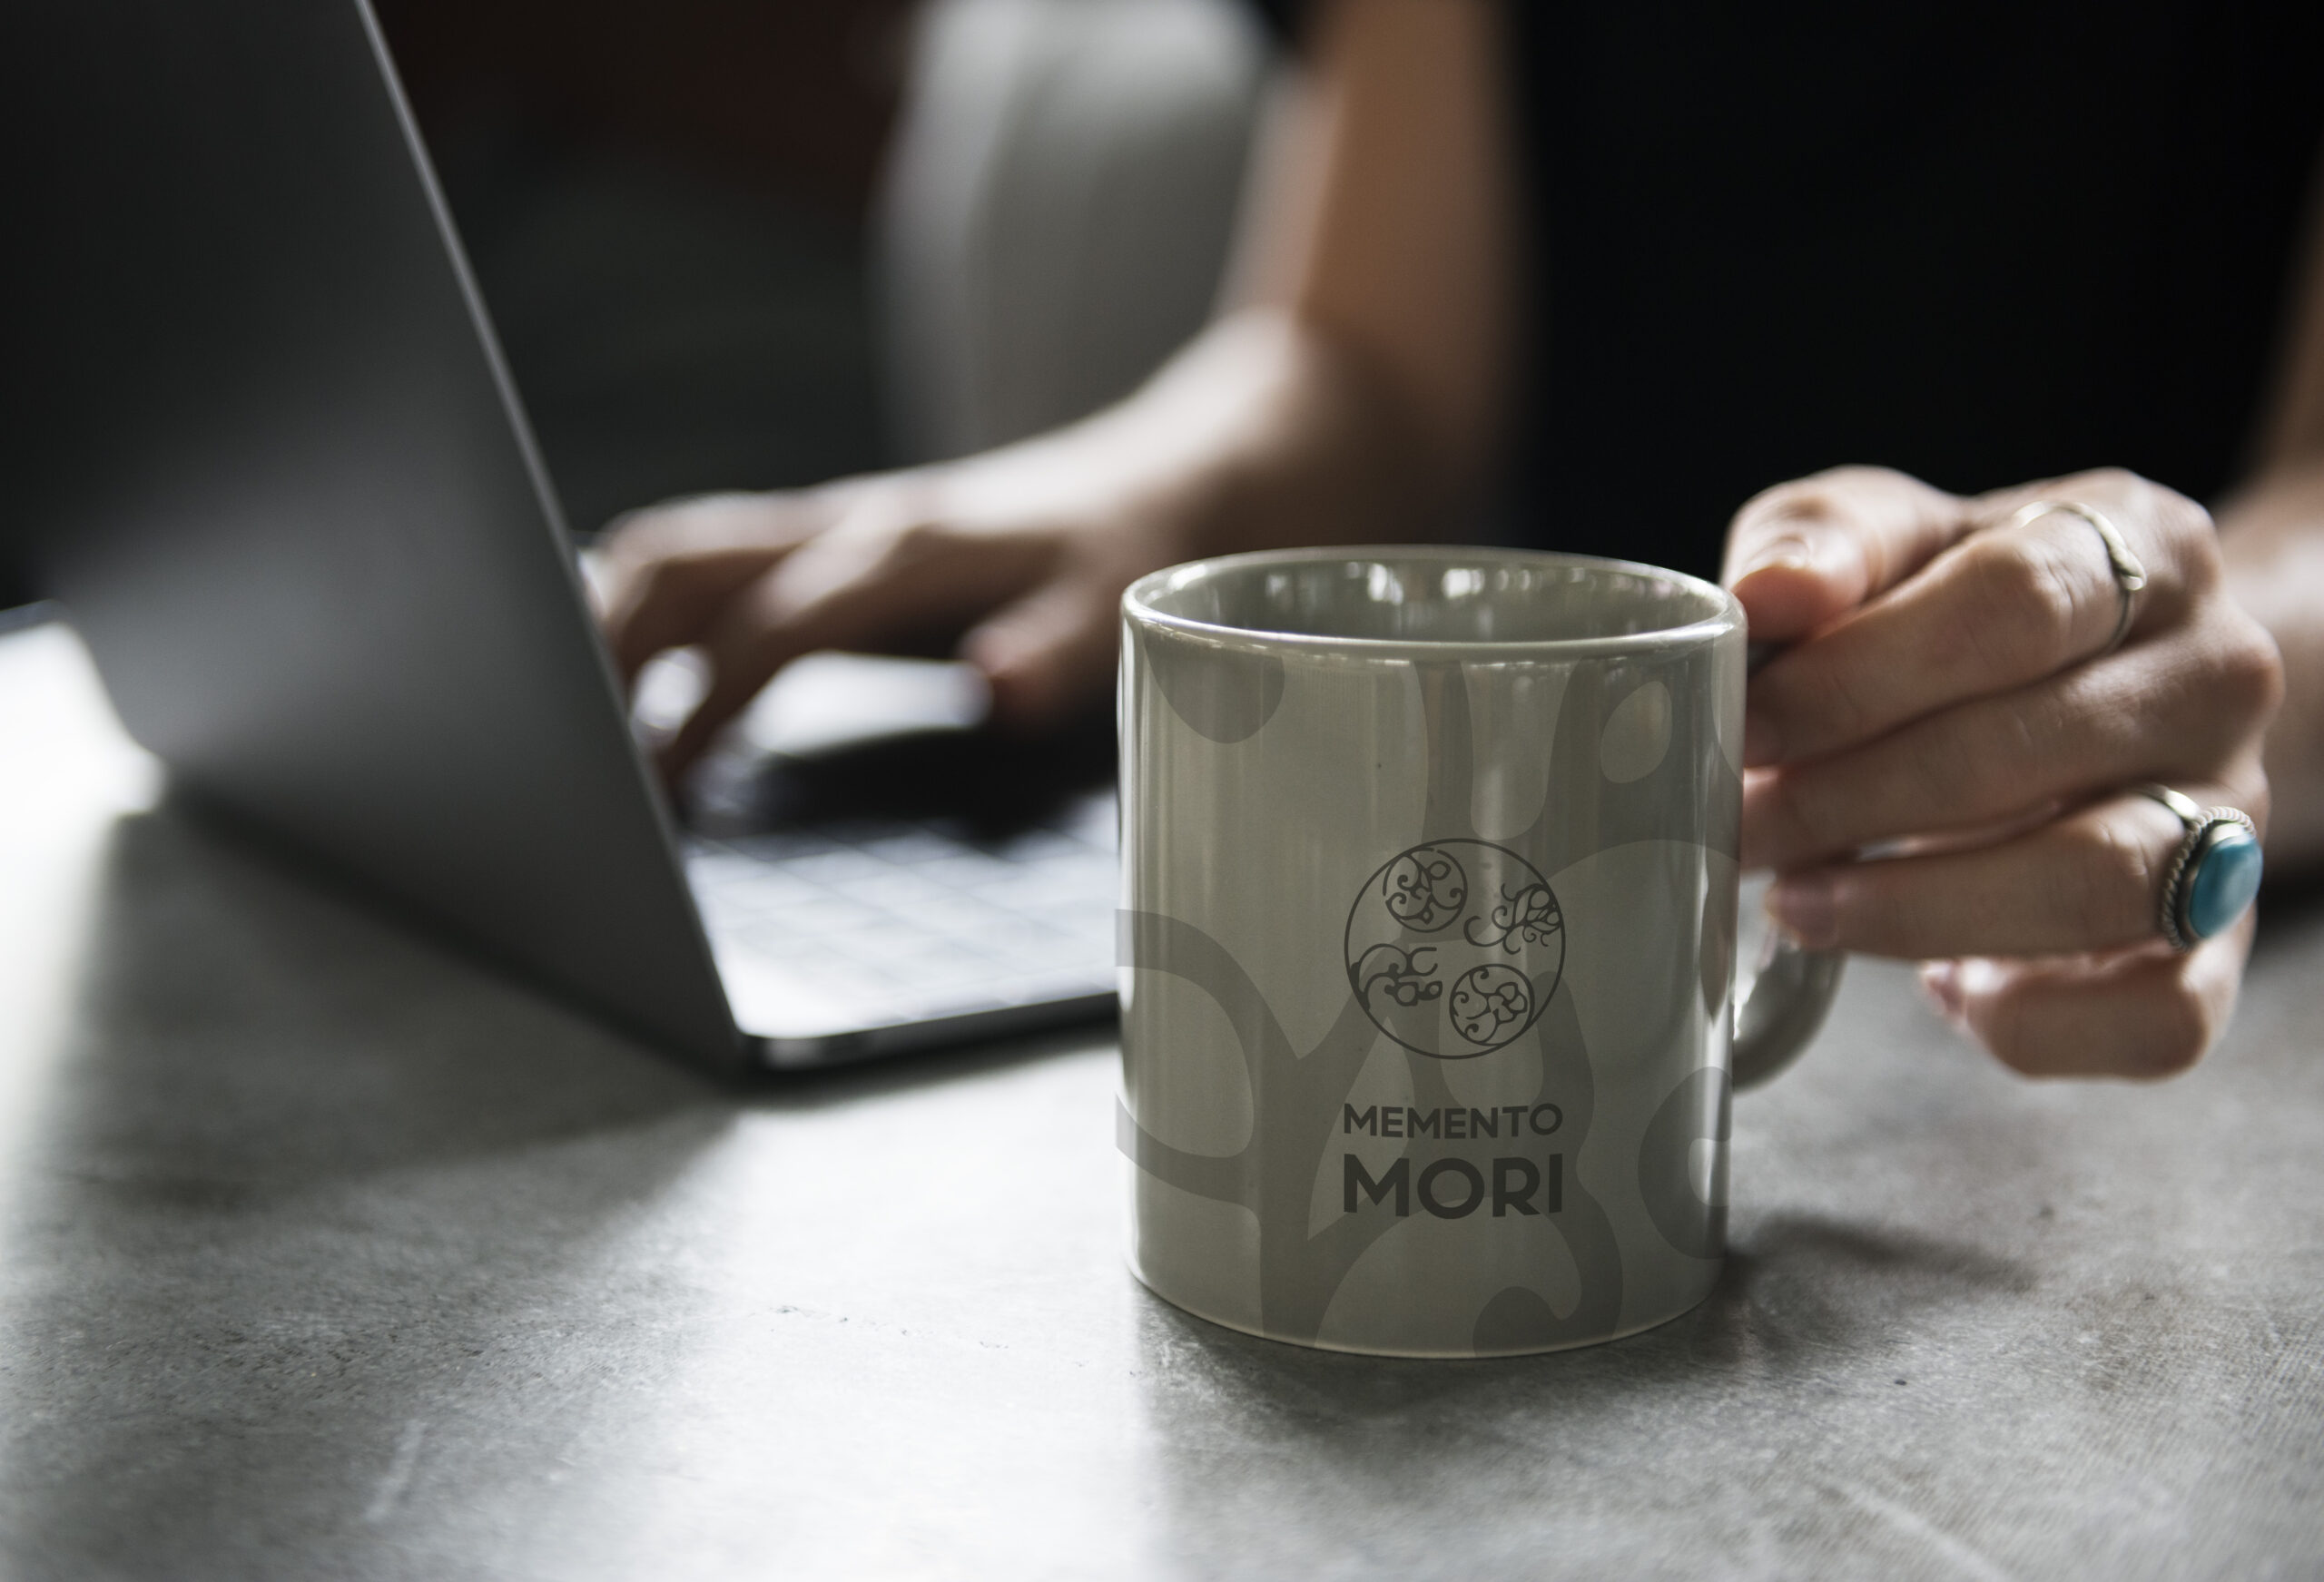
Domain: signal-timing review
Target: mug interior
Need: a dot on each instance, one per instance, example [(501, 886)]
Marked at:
[(1421, 596)]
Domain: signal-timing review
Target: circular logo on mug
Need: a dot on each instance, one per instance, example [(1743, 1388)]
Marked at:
[(1453, 948)]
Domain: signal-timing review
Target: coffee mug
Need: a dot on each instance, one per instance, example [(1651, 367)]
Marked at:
[(1427, 940)]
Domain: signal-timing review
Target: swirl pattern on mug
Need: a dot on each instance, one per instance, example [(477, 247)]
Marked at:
[(1525, 917), (1425, 889), (1487, 999), (1399, 976), (1453, 948)]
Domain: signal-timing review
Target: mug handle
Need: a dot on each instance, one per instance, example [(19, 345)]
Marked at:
[(1779, 1010)]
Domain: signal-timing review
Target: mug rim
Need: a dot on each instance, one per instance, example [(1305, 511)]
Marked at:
[(1137, 606)]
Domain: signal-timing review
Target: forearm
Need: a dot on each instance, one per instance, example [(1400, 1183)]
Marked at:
[(2272, 535), (1261, 433), (1350, 397), (1305, 441), (1354, 392)]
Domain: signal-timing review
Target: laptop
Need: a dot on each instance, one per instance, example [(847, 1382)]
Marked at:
[(281, 482)]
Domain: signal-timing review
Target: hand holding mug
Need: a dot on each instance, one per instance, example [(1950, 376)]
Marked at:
[(1945, 762)]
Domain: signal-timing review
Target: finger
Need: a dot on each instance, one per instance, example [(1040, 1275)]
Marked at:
[(1048, 653), (2091, 881), (1805, 552), (863, 586), (2175, 712), (2148, 1013), (670, 570), (672, 601), (2006, 605)]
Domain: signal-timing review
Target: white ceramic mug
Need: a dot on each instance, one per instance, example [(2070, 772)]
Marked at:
[(1428, 937)]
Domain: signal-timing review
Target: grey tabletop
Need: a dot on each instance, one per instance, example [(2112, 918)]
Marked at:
[(326, 1252)]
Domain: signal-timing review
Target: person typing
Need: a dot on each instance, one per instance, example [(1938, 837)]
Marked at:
[(1644, 270)]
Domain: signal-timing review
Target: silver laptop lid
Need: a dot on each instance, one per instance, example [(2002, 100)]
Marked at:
[(292, 506)]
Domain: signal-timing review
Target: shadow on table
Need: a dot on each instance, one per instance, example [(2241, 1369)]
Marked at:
[(238, 1022), (1267, 1449), (288, 1183), (837, 1085), (2291, 911)]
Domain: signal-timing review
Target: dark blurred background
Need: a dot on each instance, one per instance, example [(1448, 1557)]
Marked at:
[(666, 206), (751, 243)]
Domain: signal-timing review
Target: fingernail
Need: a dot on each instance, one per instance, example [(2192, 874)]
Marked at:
[(1941, 982), (1762, 741), (1805, 907), (1784, 554), (1760, 797), (1816, 549)]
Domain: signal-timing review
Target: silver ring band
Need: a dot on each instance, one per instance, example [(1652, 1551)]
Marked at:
[(2187, 913), (2130, 573)]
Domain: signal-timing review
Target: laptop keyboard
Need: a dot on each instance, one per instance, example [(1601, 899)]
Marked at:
[(847, 925)]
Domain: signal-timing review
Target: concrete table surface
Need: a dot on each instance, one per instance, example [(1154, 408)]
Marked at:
[(324, 1252)]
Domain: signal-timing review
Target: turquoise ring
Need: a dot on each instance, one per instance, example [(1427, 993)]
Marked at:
[(2212, 876)]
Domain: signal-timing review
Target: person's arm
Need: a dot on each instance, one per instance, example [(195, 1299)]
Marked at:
[(2272, 533), (1350, 394), (2272, 536)]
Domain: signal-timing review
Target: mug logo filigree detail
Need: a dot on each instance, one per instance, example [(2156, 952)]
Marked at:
[(1527, 916), (1453, 948), (1425, 889), (1401, 976), (1488, 999)]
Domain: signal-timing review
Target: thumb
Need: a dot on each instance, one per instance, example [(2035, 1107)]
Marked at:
[(1048, 653), (1804, 553)]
